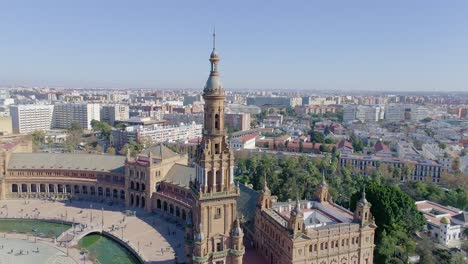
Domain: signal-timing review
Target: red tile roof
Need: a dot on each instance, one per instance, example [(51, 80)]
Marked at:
[(345, 144), (380, 146)]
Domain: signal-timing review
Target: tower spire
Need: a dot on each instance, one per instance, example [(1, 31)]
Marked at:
[(214, 38)]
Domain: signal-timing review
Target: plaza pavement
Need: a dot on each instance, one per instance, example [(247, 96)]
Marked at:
[(154, 238), (18, 249)]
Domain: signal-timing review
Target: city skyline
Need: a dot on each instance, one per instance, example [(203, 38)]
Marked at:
[(393, 47)]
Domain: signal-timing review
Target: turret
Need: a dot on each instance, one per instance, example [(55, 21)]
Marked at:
[(264, 199), (362, 213), (296, 220), (237, 236), (321, 193)]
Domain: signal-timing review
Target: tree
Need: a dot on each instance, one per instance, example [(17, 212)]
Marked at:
[(110, 151), (301, 146), (316, 136), (38, 137), (75, 126), (442, 145), (74, 135), (395, 213), (104, 128), (98, 148)]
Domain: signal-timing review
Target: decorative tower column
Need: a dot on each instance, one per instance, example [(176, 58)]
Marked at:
[(215, 207)]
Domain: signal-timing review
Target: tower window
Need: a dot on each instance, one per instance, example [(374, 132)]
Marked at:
[(216, 148), (218, 213), (217, 121), (219, 246)]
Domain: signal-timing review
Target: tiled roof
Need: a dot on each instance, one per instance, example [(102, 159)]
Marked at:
[(380, 146), (246, 203), (180, 174), (81, 162), (159, 149), (345, 144), (463, 217)]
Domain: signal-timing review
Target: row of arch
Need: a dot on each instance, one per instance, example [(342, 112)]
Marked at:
[(137, 186), (68, 189), (137, 201), (171, 209)]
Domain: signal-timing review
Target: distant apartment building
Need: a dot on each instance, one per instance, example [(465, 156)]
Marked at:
[(156, 133), (407, 151), (29, 118), (394, 113), (191, 99), (273, 120), (433, 152), (240, 108), (4, 94), (314, 109), (116, 112), (422, 170), (238, 122), (363, 113), (83, 113), (418, 113), (349, 113), (272, 100)]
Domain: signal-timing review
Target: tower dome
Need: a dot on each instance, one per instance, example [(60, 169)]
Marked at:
[(213, 84)]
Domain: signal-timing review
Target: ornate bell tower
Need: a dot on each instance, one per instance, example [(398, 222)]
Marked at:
[(217, 235)]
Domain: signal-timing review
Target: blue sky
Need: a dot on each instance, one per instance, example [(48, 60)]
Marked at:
[(339, 45)]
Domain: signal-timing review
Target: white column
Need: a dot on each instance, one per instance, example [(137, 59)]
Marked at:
[(206, 177), (232, 175), (222, 177), (214, 179)]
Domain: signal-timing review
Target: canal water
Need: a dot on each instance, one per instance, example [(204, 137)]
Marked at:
[(33, 227), (106, 250)]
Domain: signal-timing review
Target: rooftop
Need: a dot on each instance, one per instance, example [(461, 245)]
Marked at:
[(81, 162)]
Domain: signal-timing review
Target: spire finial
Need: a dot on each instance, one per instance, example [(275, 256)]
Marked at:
[(364, 192), (324, 182), (214, 37)]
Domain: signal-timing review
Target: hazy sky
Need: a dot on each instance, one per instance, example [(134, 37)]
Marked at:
[(378, 45)]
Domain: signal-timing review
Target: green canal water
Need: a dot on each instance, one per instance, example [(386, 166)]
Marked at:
[(106, 250), (34, 227)]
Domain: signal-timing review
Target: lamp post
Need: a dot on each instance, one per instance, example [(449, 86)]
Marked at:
[(91, 213)]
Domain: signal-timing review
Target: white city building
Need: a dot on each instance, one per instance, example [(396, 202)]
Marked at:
[(161, 133), (433, 152), (394, 113), (418, 112), (445, 225), (363, 113), (82, 113), (29, 118), (115, 112)]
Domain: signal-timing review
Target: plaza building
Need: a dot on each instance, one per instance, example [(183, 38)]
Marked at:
[(317, 231), (201, 195)]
